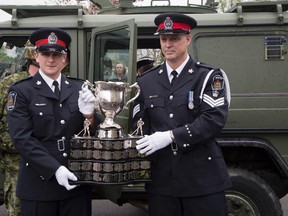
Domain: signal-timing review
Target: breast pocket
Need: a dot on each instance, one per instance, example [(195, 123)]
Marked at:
[(73, 107), (184, 113), (75, 114), (43, 120), (155, 107)]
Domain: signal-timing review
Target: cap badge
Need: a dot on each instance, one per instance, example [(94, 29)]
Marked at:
[(168, 24), (52, 38)]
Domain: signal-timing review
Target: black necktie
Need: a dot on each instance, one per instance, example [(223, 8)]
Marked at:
[(174, 73), (56, 91)]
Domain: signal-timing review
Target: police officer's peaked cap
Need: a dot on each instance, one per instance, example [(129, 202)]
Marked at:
[(174, 23), (50, 40), (144, 61)]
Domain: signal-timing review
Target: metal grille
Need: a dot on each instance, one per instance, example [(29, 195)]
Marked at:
[(274, 47)]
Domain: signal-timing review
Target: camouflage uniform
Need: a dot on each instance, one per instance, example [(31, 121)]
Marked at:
[(9, 158)]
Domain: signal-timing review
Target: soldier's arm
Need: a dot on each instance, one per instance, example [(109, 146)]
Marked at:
[(3, 98)]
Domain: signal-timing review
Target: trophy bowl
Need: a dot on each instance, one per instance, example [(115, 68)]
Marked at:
[(111, 97)]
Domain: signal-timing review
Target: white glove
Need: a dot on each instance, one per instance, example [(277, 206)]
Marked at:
[(86, 101), (149, 144), (62, 175)]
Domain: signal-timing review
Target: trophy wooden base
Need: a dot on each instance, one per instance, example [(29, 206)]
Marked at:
[(107, 161)]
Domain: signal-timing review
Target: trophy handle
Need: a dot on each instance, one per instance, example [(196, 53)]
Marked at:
[(135, 85), (87, 83)]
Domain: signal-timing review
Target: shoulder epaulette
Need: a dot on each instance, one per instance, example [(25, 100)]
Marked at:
[(151, 69), (205, 65), (75, 78)]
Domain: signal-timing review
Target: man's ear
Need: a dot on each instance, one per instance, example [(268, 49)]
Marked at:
[(64, 58), (189, 39), (36, 55)]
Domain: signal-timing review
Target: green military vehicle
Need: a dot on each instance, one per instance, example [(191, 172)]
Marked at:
[(248, 42)]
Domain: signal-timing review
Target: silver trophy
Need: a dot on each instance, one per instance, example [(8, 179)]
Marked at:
[(110, 157), (111, 101)]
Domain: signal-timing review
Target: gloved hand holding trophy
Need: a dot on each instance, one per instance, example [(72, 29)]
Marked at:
[(109, 99), (86, 101), (109, 157)]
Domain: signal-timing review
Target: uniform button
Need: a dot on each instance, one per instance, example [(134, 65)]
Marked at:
[(42, 177), (64, 154), (60, 105), (41, 114), (209, 158), (184, 145), (27, 164), (188, 145), (62, 121), (171, 115), (171, 97), (152, 106)]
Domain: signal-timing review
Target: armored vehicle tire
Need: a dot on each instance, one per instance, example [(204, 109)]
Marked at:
[(251, 195)]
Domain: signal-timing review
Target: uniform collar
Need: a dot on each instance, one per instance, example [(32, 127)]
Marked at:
[(49, 81), (179, 69)]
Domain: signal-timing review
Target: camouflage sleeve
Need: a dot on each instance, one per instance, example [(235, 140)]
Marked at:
[(3, 95), (5, 140)]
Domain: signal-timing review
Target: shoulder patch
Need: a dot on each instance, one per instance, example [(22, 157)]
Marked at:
[(217, 82), (217, 85), (11, 100)]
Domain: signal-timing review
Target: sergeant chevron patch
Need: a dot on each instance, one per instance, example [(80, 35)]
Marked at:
[(136, 109), (212, 102)]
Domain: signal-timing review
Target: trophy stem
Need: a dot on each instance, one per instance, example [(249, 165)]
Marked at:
[(110, 133), (109, 123)]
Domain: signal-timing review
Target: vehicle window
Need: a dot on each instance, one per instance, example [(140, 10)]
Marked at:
[(11, 51), (114, 55)]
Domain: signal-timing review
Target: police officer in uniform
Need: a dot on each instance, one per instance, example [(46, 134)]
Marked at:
[(43, 114), (184, 106), (9, 162)]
